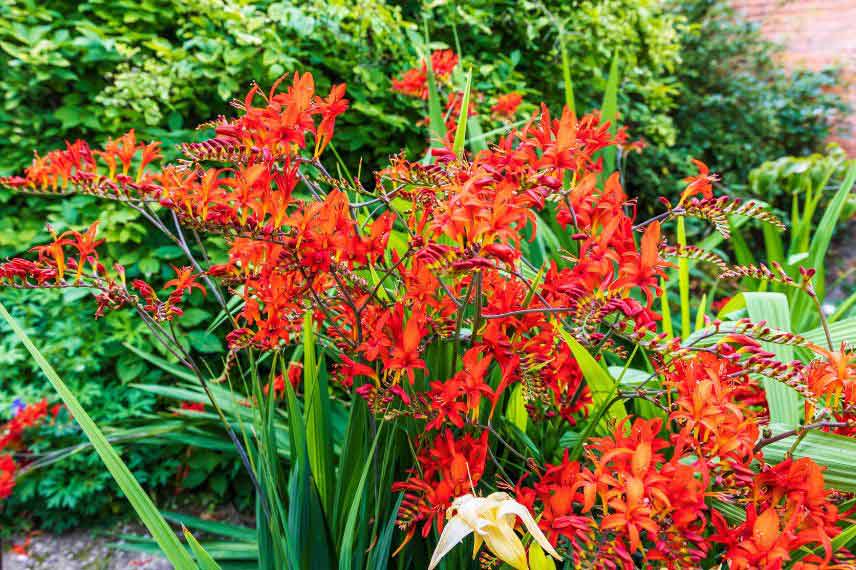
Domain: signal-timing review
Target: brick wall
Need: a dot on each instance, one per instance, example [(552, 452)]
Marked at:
[(816, 34)]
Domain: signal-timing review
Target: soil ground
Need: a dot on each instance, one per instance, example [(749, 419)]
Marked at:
[(78, 550)]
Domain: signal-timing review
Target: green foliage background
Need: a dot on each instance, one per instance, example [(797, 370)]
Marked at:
[(696, 82)]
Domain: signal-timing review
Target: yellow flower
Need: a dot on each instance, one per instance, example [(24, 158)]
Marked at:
[(491, 519)]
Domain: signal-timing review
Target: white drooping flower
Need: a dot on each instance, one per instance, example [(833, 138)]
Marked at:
[(491, 520)]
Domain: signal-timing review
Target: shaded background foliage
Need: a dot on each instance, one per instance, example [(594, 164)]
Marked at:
[(696, 82)]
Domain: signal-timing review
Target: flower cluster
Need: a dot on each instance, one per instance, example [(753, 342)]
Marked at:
[(787, 508), (12, 439), (424, 287)]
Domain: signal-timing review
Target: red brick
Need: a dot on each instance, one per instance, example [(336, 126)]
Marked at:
[(816, 34)]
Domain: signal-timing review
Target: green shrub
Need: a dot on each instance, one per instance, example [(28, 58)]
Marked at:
[(695, 82), (735, 108)]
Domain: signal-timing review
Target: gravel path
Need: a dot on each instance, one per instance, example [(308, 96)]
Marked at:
[(79, 550)]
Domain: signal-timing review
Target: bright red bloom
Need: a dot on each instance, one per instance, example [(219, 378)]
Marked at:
[(193, 406), (414, 82), (443, 62), (643, 269), (788, 509), (7, 476), (28, 417), (448, 468), (506, 105), (701, 183)]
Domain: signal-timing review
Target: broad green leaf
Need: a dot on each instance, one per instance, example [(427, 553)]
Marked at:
[(515, 410), (629, 377), (601, 385), (841, 331), (139, 499), (732, 512), (734, 304), (317, 412), (835, 452), (476, 138), (784, 401)]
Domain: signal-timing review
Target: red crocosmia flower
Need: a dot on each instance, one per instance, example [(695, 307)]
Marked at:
[(184, 282), (701, 183), (193, 406), (448, 468), (330, 107), (414, 82), (294, 374), (28, 417), (788, 509), (453, 399), (443, 62), (7, 476), (643, 269), (506, 105)]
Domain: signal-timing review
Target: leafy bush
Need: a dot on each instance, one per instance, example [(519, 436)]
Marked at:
[(90, 69), (734, 107), (395, 359)]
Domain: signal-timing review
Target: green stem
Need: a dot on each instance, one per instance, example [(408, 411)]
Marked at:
[(684, 280)]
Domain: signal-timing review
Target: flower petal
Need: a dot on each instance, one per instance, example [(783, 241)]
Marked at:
[(454, 532), (506, 545), (514, 508)]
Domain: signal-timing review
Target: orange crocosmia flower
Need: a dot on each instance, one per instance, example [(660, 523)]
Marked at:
[(7, 476), (404, 354), (330, 107), (643, 269), (184, 281), (506, 105), (834, 375), (701, 183), (443, 62), (414, 82)]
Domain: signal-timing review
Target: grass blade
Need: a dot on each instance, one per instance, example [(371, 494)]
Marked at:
[(143, 505), (346, 552), (204, 559), (236, 532), (566, 73), (684, 281), (461, 131), (803, 314), (436, 127), (609, 112), (317, 412)]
